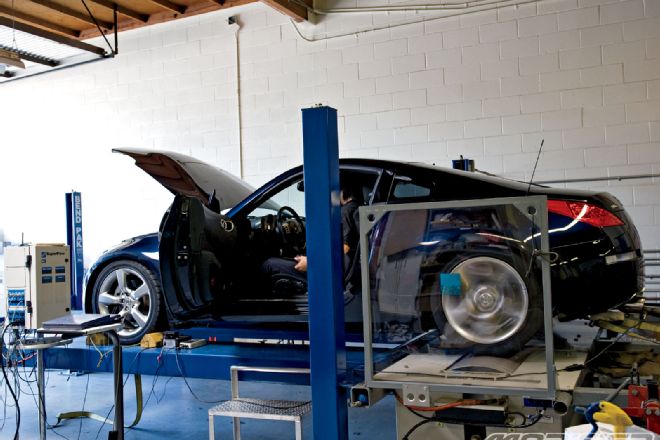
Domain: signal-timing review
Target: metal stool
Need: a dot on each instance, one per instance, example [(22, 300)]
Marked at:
[(237, 407)]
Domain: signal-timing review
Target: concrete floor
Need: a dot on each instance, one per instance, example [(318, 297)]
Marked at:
[(172, 411)]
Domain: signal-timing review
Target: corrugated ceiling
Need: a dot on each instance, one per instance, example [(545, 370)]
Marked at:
[(39, 54)]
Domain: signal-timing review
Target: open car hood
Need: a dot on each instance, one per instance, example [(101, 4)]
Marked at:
[(188, 176)]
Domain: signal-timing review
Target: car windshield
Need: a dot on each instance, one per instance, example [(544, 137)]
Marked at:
[(291, 195)]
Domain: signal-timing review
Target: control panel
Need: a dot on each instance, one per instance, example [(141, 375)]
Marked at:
[(37, 283)]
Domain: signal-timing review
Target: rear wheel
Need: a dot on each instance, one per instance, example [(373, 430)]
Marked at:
[(497, 310), (131, 290)]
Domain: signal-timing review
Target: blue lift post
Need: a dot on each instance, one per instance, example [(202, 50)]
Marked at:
[(74, 239), (325, 281)]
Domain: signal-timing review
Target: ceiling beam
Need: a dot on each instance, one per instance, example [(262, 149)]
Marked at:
[(126, 12), (72, 13), (27, 56), (293, 9), (52, 36), (167, 15), (167, 4), (9, 13)]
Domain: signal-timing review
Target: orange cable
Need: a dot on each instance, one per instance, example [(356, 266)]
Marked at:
[(464, 402)]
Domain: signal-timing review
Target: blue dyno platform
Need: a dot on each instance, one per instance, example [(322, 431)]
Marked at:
[(211, 361)]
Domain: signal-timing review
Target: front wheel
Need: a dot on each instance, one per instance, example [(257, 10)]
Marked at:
[(131, 290), (497, 310)]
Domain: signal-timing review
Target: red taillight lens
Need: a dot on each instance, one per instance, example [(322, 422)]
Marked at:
[(584, 212)]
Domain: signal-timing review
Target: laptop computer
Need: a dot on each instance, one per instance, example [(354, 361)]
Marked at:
[(78, 322)]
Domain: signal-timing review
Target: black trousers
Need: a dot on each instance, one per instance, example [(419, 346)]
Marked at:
[(275, 268)]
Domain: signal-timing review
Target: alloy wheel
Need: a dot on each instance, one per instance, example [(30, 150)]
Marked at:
[(124, 291), (493, 302)]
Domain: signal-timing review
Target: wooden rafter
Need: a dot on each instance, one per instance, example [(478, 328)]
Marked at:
[(293, 9), (72, 13), (171, 6), (9, 13), (201, 7), (58, 16), (126, 12)]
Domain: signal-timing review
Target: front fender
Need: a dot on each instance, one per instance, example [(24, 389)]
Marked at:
[(143, 249)]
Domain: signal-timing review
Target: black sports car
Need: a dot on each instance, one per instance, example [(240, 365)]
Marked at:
[(203, 262)]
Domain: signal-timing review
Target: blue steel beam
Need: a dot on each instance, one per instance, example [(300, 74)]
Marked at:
[(325, 280), (211, 361)]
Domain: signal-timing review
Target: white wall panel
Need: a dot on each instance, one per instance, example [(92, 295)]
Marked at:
[(582, 74)]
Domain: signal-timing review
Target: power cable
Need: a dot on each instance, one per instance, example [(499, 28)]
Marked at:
[(84, 401), (128, 375), (155, 379), (538, 417), (176, 357), (617, 339), (264, 405), (48, 425), (438, 418), (4, 406), (11, 390), (417, 426)]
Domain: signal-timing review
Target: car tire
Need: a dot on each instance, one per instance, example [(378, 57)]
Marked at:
[(498, 310), (132, 290)]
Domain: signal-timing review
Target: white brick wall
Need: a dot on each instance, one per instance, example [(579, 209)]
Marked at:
[(582, 74)]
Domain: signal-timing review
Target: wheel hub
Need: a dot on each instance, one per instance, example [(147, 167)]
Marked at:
[(486, 299), (126, 300)]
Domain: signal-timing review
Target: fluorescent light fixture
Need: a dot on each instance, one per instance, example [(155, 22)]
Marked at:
[(11, 59)]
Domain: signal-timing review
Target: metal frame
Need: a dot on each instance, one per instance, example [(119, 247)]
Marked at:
[(369, 215), (41, 381), (110, 331), (225, 408)]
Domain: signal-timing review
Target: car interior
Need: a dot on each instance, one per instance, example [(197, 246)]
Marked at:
[(275, 227)]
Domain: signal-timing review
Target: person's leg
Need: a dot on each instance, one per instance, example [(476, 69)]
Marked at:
[(281, 277), (276, 266)]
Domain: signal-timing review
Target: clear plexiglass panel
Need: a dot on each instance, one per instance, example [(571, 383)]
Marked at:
[(455, 294)]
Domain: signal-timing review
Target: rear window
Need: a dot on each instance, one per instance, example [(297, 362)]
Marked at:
[(416, 189), (406, 190)]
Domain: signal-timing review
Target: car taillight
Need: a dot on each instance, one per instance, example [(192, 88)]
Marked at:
[(584, 212)]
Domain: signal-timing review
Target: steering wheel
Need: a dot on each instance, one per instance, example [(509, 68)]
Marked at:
[(291, 229)]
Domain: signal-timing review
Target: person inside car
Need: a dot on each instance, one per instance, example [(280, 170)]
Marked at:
[(285, 275)]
